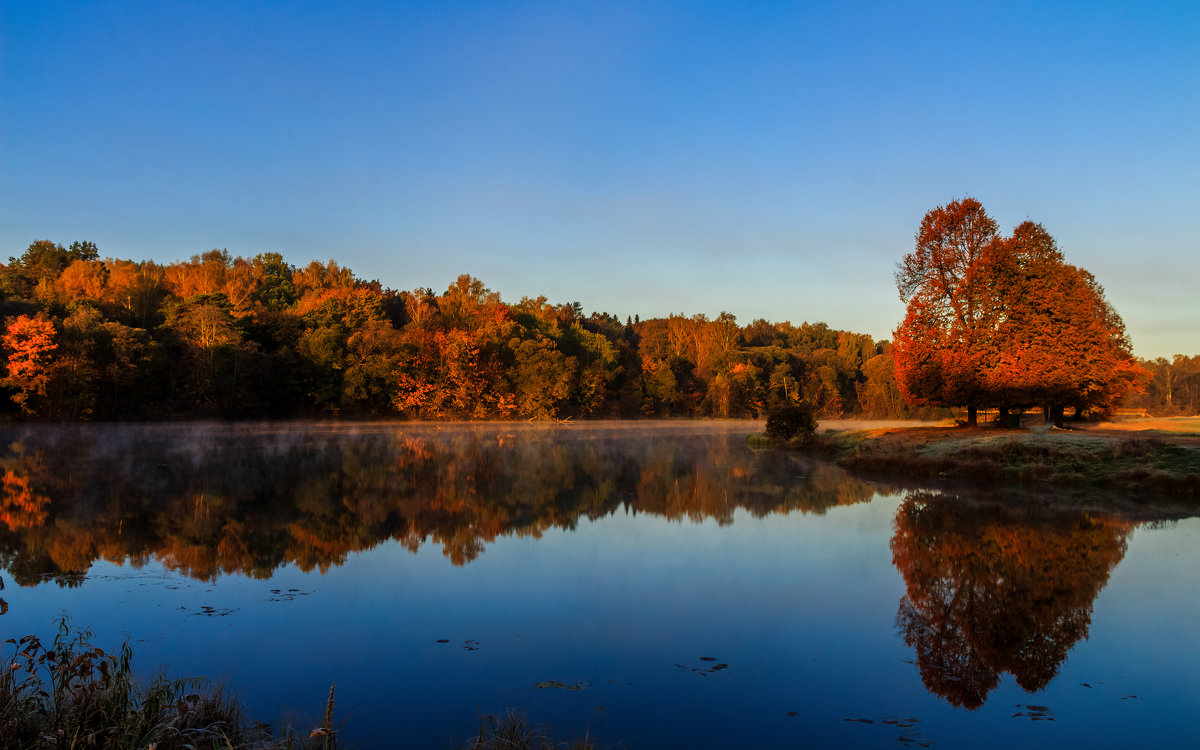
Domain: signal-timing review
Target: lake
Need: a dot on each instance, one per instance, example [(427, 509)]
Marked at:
[(646, 584)]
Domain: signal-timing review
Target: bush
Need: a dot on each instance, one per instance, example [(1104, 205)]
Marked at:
[(792, 422)]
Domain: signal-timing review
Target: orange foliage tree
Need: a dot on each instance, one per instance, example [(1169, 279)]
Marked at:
[(30, 342), (1004, 322)]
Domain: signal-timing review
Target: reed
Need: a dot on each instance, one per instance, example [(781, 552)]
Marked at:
[(513, 731)]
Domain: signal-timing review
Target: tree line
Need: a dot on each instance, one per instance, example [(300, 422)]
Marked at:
[(232, 337), (992, 322), (1172, 389)]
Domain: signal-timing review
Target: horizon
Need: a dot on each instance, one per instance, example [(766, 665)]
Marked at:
[(642, 159)]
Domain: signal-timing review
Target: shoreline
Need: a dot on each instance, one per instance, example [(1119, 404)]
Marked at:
[(1113, 456)]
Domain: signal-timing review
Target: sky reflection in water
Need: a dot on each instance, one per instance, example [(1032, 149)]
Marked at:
[(656, 586)]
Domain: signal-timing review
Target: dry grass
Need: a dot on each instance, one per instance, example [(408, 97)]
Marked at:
[(513, 731), (1166, 426), (1121, 460)]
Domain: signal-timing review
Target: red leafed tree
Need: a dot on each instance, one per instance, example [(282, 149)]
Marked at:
[(1005, 322), (945, 342), (1060, 343), (29, 341)]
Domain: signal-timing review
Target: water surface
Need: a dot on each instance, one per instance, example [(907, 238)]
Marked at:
[(649, 586)]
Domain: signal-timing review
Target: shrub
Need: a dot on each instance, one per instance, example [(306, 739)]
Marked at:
[(792, 422)]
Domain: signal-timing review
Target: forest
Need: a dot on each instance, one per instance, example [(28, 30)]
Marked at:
[(219, 336), (231, 337)]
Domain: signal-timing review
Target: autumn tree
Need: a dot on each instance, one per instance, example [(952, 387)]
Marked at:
[(1004, 321), (208, 370), (943, 344), (1059, 342), (203, 274), (84, 279), (30, 345), (135, 291)]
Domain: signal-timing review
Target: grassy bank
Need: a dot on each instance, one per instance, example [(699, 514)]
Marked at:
[(1159, 462)]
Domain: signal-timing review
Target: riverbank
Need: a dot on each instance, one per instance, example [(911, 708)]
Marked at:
[(1163, 458)]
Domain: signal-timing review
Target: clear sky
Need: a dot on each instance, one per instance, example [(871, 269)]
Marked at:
[(768, 159)]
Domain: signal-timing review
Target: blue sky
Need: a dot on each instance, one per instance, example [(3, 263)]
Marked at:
[(772, 160)]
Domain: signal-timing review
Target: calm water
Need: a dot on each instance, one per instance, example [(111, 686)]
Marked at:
[(650, 586)]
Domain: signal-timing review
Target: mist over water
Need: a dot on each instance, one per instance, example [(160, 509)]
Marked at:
[(653, 584)]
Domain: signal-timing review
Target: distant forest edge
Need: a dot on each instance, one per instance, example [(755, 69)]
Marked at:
[(230, 337)]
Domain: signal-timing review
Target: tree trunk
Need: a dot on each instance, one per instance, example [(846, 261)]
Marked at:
[(1057, 414), (972, 420), (1010, 418)]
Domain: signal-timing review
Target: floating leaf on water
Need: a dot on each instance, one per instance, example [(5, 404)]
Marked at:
[(1034, 712), (555, 684)]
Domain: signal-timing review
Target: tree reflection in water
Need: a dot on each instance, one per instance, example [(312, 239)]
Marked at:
[(245, 500), (994, 589)]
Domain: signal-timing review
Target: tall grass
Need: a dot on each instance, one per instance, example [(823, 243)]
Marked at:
[(71, 694), (513, 731)]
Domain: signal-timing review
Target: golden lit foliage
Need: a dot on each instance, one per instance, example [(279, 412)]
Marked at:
[(29, 342), (1004, 322), (234, 337)]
